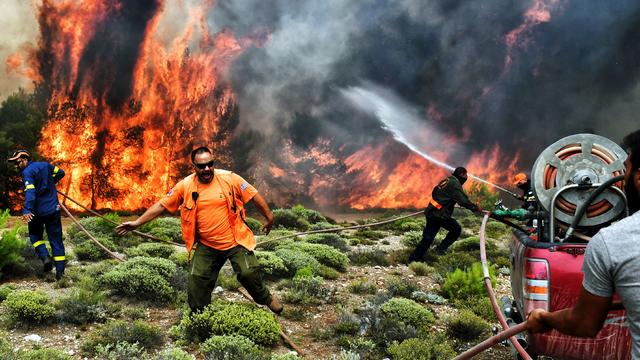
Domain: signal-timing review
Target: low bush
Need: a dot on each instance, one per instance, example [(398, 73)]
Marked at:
[(287, 218), (307, 289), (173, 354), (369, 234), (255, 225), (331, 239), (296, 260), (119, 351), (496, 230), (322, 226), (165, 228), (11, 246), (41, 354), (325, 254), (113, 332), (363, 286), (479, 305), (420, 268), (26, 307), (90, 251), (231, 347), (406, 224), (328, 272), (6, 350), (228, 281), (472, 244), (152, 250), (411, 239), (466, 326), (369, 257), (347, 323), (134, 313), (142, 278), (467, 283), (289, 356), (82, 307), (422, 349), (409, 312), (403, 287), (430, 298), (181, 259), (225, 318), (451, 261), (385, 330), (271, 265), (5, 290), (312, 216)]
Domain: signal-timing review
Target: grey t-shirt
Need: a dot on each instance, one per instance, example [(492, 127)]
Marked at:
[(612, 263)]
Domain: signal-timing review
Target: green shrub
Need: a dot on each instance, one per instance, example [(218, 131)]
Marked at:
[(113, 332), (42, 354), (152, 250), (496, 230), (369, 234), (411, 239), (225, 318), (82, 307), (306, 289), (421, 349), (369, 257), (95, 226), (119, 351), (420, 268), (325, 254), (142, 278), (406, 224), (451, 261), (472, 244), (228, 281), (26, 307), (466, 326), (331, 239), (134, 313), (479, 305), (403, 287), (231, 347), (255, 225), (11, 247), (288, 219), (4, 216), (363, 286), (323, 226), (5, 290), (328, 272), (312, 216), (270, 264), (467, 283), (173, 354), (347, 323), (296, 260), (409, 312), (180, 258), (6, 349), (88, 250), (165, 228)]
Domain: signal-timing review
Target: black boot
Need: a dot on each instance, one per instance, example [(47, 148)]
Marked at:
[(47, 264), (59, 275)]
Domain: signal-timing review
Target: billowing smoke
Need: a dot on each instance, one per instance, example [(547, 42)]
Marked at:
[(518, 74)]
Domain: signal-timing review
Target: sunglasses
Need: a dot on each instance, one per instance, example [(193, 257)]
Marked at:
[(204, 166)]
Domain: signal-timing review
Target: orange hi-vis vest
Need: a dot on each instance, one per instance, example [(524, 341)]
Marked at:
[(235, 210)]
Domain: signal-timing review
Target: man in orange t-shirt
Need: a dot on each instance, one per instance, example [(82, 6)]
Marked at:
[(211, 203)]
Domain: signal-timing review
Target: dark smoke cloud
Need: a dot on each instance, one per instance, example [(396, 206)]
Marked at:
[(577, 72)]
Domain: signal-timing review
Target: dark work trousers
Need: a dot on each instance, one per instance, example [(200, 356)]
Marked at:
[(429, 234), (205, 266), (52, 224)]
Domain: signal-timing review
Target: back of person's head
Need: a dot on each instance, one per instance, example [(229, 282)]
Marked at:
[(459, 171), (631, 144)]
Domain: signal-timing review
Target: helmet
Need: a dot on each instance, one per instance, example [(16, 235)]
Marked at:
[(19, 154), (520, 178)]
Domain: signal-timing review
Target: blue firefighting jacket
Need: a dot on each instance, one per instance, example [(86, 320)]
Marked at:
[(41, 195)]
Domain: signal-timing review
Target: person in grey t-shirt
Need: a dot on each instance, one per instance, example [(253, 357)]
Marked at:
[(611, 263)]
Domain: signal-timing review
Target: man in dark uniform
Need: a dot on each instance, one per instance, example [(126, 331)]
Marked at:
[(528, 197), (444, 197), (41, 208)]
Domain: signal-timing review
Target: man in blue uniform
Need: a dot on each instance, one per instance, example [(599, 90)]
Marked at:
[(41, 209)]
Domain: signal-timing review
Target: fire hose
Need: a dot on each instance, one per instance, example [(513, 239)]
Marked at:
[(509, 332)]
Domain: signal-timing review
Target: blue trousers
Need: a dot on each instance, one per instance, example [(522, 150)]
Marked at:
[(53, 226)]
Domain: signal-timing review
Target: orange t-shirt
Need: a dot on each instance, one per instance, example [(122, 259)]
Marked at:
[(212, 224)]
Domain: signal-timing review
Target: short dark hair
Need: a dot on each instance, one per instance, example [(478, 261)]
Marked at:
[(631, 144), (198, 151), (459, 171)]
